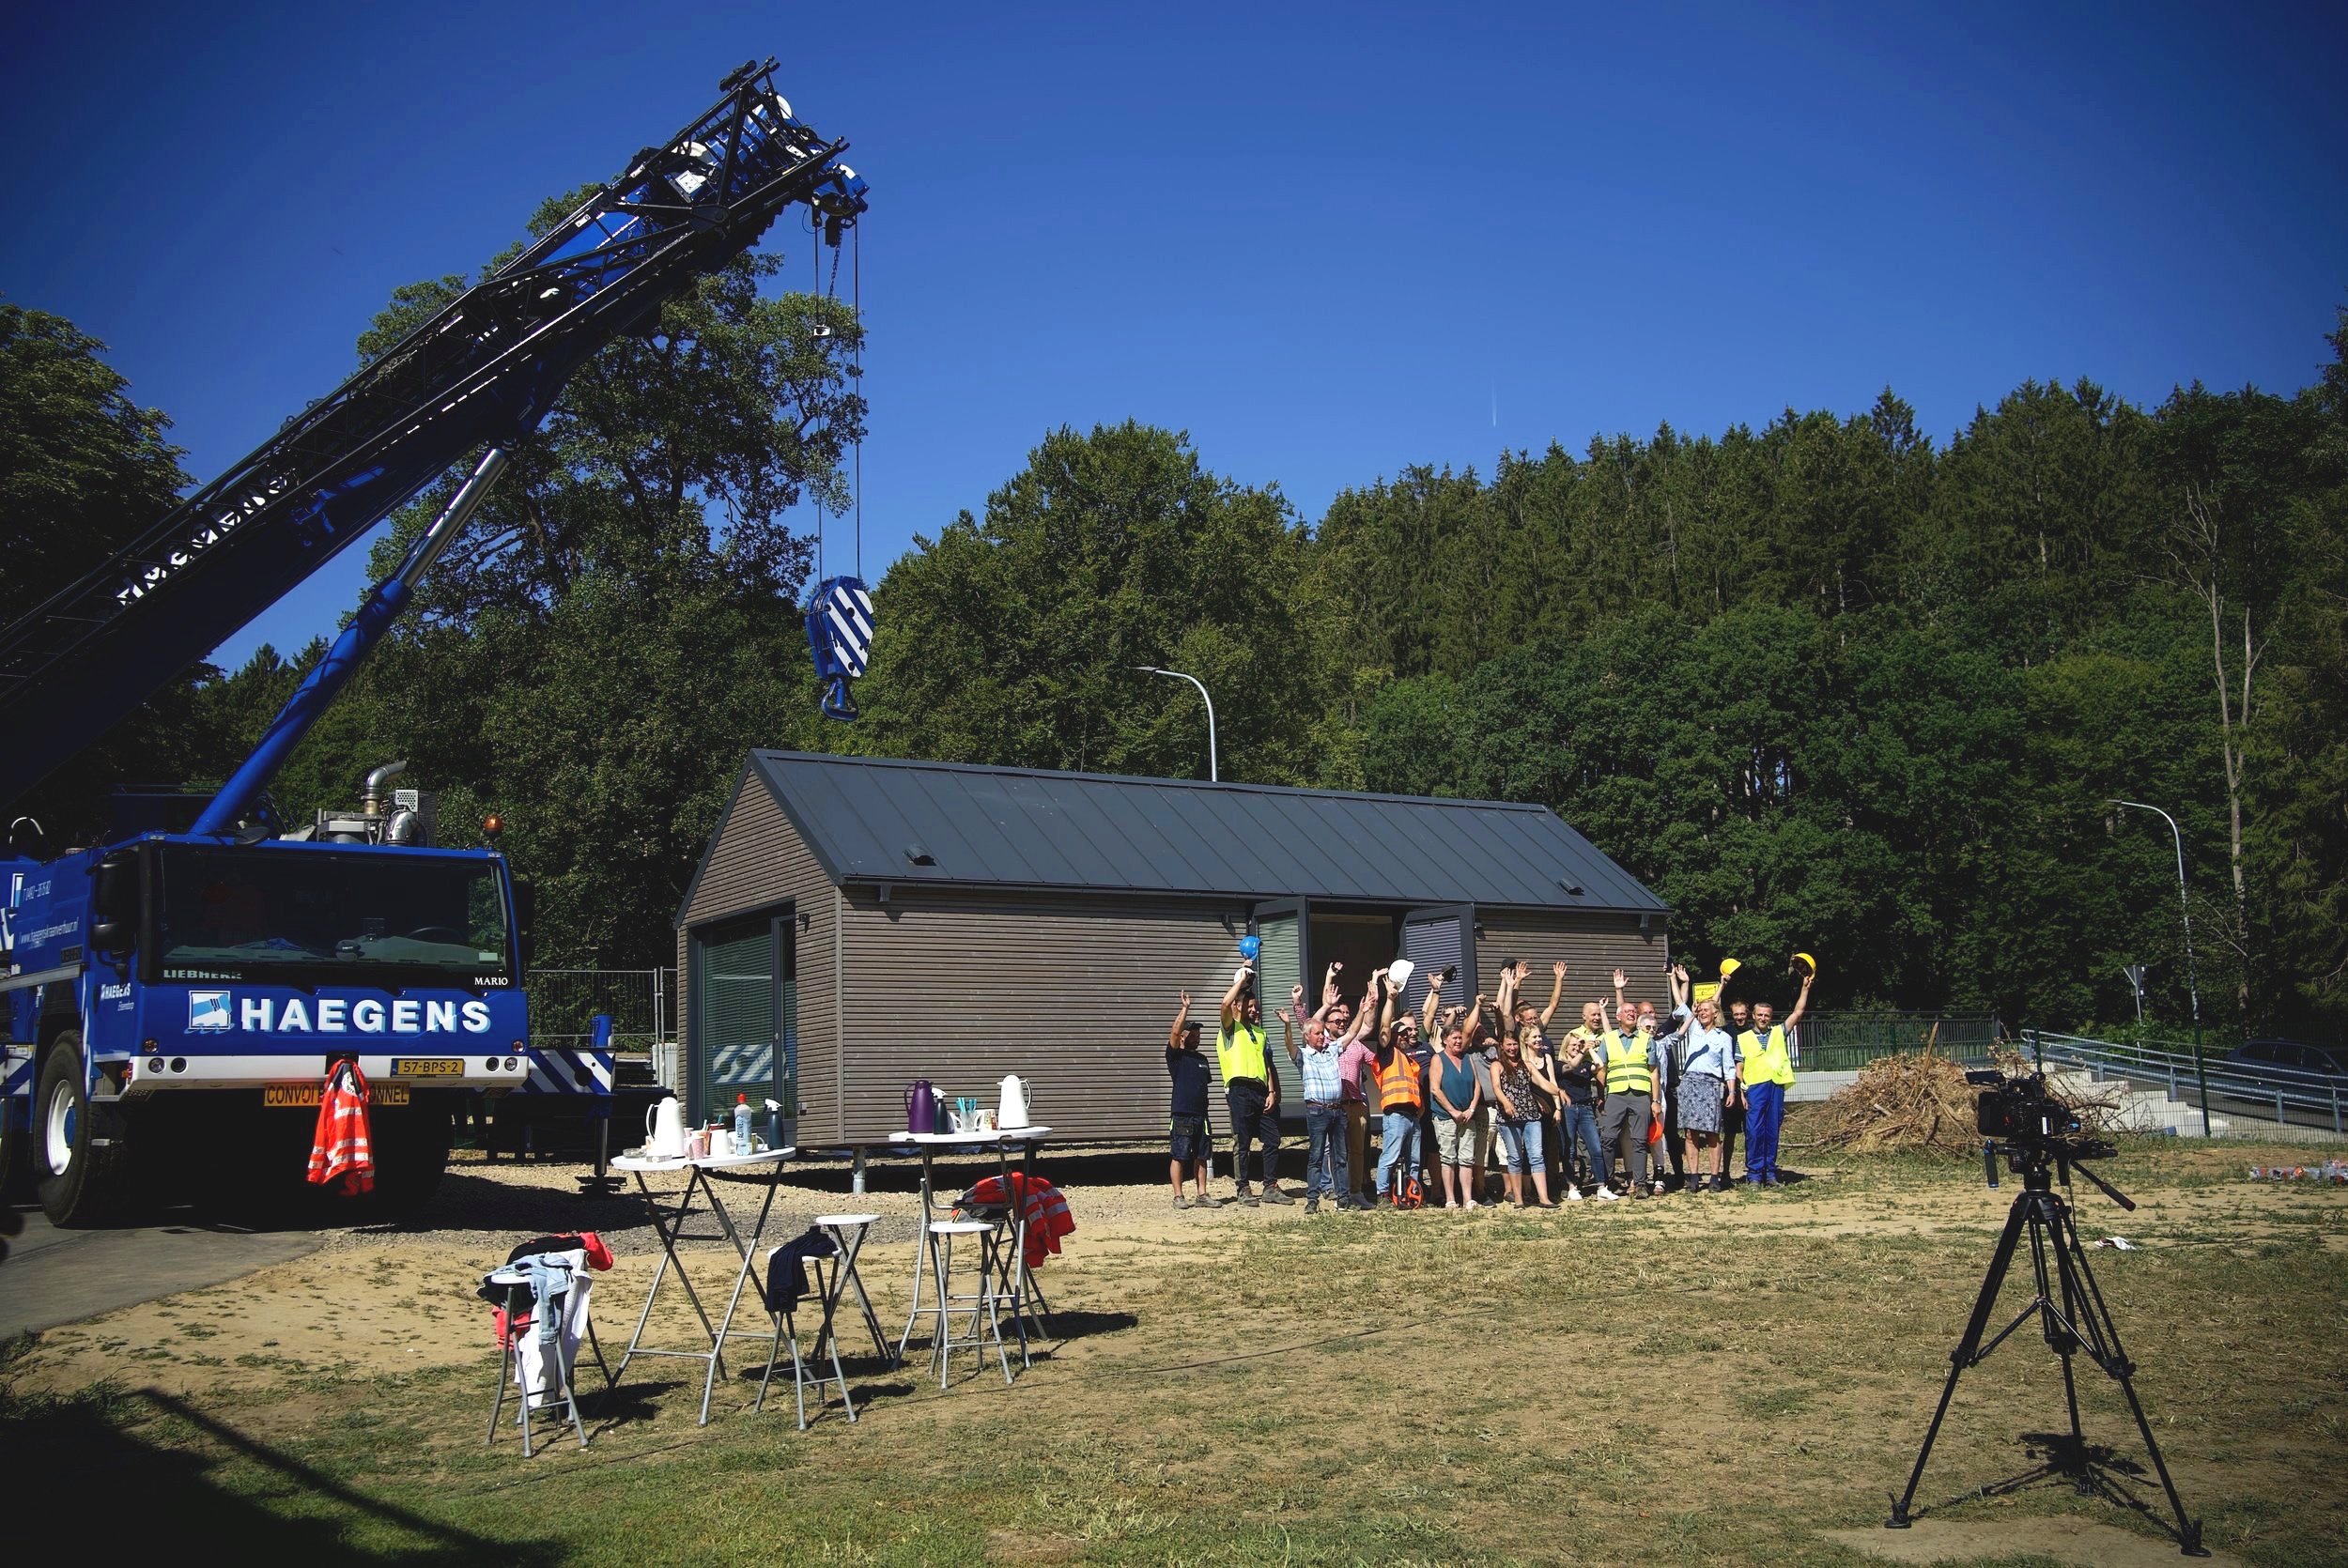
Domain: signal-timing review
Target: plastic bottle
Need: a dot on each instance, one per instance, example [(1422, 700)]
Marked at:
[(741, 1124)]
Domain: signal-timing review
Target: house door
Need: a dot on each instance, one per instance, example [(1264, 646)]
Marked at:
[(1436, 938), (745, 1021), (1281, 925)]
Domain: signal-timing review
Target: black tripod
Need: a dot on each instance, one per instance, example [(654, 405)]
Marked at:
[(2071, 1315)]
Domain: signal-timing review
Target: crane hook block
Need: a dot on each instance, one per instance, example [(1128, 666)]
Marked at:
[(839, 636)]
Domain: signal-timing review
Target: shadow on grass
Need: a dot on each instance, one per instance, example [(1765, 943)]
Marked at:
[(1079, 1323), (2088, 1470), (608, 1408), (170, 1495)]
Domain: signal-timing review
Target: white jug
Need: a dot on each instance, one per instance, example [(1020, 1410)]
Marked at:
[(664, 1130), (1015, 1104)]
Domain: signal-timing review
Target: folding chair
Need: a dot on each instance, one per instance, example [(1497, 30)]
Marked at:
[(532, 1289)]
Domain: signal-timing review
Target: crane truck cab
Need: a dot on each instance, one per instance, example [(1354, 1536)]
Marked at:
[(174, 1002)]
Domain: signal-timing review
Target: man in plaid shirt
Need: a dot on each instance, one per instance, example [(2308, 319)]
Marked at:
[(1321, 1061)]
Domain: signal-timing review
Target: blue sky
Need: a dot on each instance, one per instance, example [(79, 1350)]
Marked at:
[(1328, 241)]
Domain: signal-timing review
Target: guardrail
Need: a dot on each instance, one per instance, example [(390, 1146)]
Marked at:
[(2190, 1076), (1831, 1042)]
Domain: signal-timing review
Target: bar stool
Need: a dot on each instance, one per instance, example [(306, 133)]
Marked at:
[(786, 1324), (985, 1300), (833, 1275)]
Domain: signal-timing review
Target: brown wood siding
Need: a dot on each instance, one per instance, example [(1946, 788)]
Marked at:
[(1072, 992), (1592, 946), (758, 861)]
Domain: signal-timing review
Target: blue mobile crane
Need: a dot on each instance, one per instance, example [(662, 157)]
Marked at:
[(172, 989)]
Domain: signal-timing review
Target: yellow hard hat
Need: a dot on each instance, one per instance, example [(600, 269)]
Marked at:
[(1807, 964), (1728, 967)]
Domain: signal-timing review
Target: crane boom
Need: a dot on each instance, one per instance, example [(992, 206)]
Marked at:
[(481, 372)]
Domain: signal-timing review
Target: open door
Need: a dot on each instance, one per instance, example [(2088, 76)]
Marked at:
[(1281, 927), (1436, 938), (745, 1017)]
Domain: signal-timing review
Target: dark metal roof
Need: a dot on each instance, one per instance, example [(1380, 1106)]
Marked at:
[(865, 819)]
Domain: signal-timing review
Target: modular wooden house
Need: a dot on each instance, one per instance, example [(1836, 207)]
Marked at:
[(858, 923)]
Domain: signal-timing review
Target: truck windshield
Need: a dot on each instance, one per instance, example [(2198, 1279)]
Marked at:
[(248, 909)]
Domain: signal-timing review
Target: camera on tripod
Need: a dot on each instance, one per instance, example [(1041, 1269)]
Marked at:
[(2019, 1106), (2043, 1139), (2034, 1123)]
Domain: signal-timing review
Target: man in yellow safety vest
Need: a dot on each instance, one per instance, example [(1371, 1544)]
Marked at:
[(1765, 1070), (1625, 1060), (1239, 1049)]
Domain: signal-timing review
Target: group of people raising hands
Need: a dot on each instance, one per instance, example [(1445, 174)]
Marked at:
[(1461, 1076)]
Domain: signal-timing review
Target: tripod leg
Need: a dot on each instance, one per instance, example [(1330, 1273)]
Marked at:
[(1962, 1357), (2078, 1277), (2054, 1286)]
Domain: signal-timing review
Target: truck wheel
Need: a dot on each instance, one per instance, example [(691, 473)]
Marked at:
[(80, 1156)]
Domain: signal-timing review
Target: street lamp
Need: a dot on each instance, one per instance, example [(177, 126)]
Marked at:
[(1213, 773), (2192, 976)]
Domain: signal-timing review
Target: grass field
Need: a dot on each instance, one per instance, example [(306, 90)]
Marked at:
[(1715, 1380)]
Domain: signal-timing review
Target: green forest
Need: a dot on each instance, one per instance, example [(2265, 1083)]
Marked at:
[(1825, 681)]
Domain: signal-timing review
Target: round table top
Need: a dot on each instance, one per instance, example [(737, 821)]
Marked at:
[(650, 1164), (974, 1139), (846, 1219)]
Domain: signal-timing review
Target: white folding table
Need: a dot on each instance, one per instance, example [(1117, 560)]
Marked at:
[(1018, 1283), (670, 1225)]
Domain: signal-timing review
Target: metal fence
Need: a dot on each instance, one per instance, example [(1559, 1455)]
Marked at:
[(1838, 1042), (2234, 1091), (641, 1002)]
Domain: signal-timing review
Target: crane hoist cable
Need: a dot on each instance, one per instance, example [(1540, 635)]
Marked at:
[(839, 612)]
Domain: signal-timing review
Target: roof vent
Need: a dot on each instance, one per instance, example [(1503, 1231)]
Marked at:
[(1573, 889), (920, 856)]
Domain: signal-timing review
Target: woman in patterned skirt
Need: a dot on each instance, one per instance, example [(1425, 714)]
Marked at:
[(1707, 1083)]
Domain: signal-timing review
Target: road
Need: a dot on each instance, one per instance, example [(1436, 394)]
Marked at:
[(52, 1276)]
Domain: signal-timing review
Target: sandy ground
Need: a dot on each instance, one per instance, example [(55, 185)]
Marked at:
[(375, 1299), (1814, 1324), (2079, 1540)]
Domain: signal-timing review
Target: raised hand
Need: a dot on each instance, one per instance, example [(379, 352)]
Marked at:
[(1186, 996), (1621, 979), (1282, 1014), (1558, 969), (1296, 996), (1679, 972)]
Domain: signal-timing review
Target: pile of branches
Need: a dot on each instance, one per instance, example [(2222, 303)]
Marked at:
[(1901, 1103), (1922, 1101)]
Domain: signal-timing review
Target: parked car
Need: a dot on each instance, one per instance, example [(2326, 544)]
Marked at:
[(2328, 1059)]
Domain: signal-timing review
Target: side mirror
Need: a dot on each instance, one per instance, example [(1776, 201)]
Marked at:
[(113, 903), (525, 916)]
